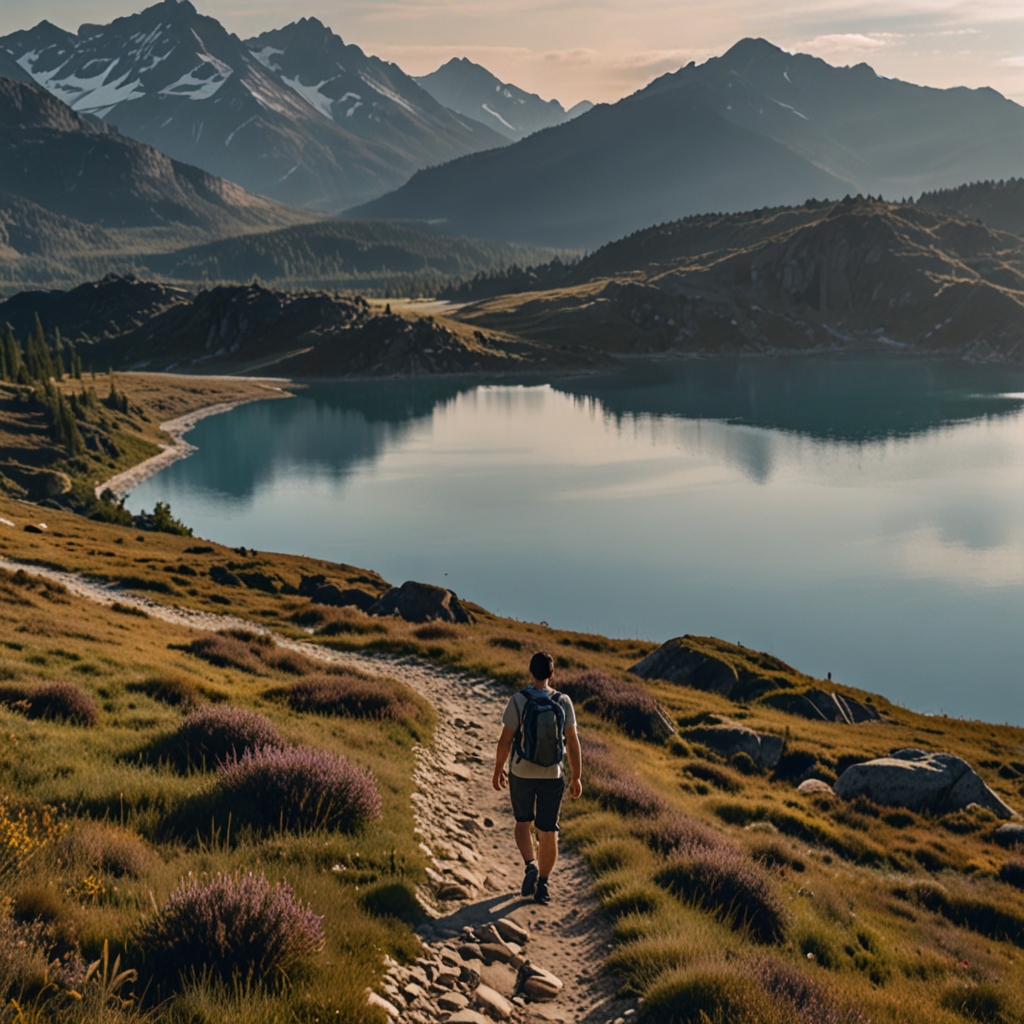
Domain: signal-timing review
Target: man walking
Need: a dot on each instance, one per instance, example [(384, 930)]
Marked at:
[(538, 730)]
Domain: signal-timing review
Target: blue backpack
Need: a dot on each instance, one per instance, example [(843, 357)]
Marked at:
[(541, 735)]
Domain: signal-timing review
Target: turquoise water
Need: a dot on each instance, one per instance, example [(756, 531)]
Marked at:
[(863, 516)]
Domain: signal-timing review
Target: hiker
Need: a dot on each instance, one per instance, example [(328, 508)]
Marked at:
[(538, 729)]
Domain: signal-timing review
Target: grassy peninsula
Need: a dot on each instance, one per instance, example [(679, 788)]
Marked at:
[(135, 663)]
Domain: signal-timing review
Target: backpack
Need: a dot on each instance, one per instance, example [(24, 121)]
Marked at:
[(541, 735)]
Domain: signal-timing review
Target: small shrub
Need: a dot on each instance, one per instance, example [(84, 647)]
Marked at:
[(723, 883), (710, 995), (773, 854), (128, 609), (611, 855), (637, 898), (393, 899), (676, 833), (29, 958), (212, 735), (508, 642), (1002, 923), (628, 705), (613, 787), (342, 622), (817, 945), (352, 696), (299, 788), (986, 1002), (60, 701), (169, 688), (1012, 873), (234, 928), (795, 765), (744, 763), (98, 846), (718, 777), (436, 631)]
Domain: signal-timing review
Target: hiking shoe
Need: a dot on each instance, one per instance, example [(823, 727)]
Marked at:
[(542, 895), (530, 878)]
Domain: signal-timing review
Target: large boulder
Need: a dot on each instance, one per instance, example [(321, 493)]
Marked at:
[(421, 602), (319, 591), (823, 706), (726, 737), (920, 781)]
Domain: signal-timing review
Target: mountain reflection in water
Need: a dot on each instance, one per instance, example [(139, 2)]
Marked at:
[(859, 515)]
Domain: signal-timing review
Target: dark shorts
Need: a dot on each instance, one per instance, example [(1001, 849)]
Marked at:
[(539, 799)]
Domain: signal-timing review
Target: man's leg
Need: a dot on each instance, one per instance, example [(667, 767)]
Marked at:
[(524, 840), (548, 852)]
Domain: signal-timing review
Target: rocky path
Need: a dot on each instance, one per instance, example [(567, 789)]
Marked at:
[(488, 953)]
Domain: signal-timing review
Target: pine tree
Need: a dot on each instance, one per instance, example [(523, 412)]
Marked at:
[(3, 362), (37, 355), (58, 358), (12, 355), (74, 360)]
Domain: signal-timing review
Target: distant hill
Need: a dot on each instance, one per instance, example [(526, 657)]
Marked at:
[(58, 160), (294, 114), (756, 127), (853, 273), (999, 204), (343, 254), (472, 90)]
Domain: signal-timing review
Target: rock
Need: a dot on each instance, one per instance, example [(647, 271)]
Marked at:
[(511, 931), (421, 602), (501, 977), (1009, 835), (814, 786), (32, 528), (449, 956), (537, 984), (494, 1004), (492, 951), (822, 705), (319, 591), (727, 737), (469, 973), (452, 891), (488, 933), (448, 977), (676, 662), (469, 951), (412, 991), (453, 1001), (468, 1016), (390, 1009), (920, 781)]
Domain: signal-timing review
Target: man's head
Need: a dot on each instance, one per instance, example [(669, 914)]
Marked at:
[(542, 666)]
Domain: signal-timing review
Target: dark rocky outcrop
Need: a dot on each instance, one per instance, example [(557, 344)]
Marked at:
[(319, 591), (709, 664), (823, 705), (920, 781), (421, 602), (223, 576), (726, 737), (1011, 834)]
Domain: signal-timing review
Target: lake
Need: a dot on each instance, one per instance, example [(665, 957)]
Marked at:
[(859, 515)]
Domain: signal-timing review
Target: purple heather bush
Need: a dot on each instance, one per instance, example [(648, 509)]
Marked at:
[(680, 834), (226, 651), (628, 705), (211, 735), (299, 788), (231, 927), (352, 696), (615, 788), (60, 701)]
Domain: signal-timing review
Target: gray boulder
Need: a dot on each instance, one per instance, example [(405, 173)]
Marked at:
[(810, 786), (823, 706), (727, 737), (1009, 835), (319, 591), (677, 663), (421, 602), (920, 781)]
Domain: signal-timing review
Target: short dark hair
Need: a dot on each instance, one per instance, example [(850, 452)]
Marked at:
[(542, 666)]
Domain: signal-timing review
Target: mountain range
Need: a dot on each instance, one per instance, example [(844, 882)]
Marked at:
[(473, 91), (756, 127), (295, 114)]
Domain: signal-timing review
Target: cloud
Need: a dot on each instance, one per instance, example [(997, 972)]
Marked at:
[(842, 43)]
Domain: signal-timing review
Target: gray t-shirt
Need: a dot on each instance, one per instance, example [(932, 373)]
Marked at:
[(512, 716)]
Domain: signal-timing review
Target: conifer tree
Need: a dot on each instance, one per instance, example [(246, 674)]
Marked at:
[(3, 362), (37, 355), (58, 358), (74, 360)]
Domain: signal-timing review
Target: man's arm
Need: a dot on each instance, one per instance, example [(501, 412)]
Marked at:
[(500, 780), (572, 746)]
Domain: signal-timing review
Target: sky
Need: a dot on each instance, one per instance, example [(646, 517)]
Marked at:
[(602, 50)]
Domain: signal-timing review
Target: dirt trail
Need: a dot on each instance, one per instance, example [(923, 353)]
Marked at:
[(466, 829)]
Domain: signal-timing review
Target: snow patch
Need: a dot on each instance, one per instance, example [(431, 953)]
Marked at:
[(200, 88), (355, 106), (312, 94), (388, 93), (494, 113), (285, 177), (795, 111), (227, 141), (264, 57)]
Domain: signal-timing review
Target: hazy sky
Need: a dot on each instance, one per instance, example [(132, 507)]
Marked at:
[(604, 49)]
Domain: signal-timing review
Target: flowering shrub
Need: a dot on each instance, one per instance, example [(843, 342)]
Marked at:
[(615, 788), (299, 788), (64, 701), (352, 696), (628, 705), (724, 883), (211, 735), (676, 833), (232, 927), (169, 688), (103, 847), (23, 834)]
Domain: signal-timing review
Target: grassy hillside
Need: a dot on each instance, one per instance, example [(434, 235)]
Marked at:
[(731, 893), (857, 273)]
